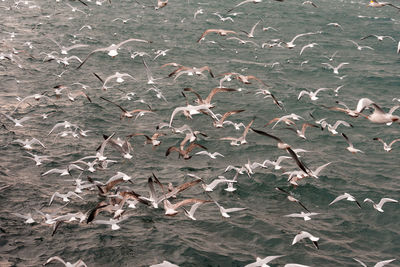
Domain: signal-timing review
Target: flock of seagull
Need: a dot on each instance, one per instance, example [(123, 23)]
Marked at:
[(116, 197)]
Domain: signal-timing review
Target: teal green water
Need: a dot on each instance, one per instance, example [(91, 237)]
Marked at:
[(148, 236)]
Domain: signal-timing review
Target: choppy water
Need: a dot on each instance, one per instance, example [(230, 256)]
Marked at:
[(147, 236)]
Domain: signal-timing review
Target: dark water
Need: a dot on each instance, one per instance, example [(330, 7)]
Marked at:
[(147, 236)]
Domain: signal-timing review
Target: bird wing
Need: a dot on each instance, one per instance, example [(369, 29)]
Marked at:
[(217, 90), (90, 54), (384, 200), (347, 140), (338, 199), (360, 262), (394, 141), (382, 263)]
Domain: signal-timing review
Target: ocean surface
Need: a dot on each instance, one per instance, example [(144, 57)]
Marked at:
[(146, 236)]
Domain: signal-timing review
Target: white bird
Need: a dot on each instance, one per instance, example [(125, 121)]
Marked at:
[(305, 215), (398, 48), (112, 222), (225, 212), (66, 171), (360, 47), (335, 24), (386, 147), (192, 210), (64, 49), (252, 30), (304, 234), (210, 187), (351, 148), (309, 3), (330, 58), (79, 263), (18, 122), (379, 37), (164, 264), (378, 264), (118, 76), (263, 262), (123, 20), (28, 217), (276, 163), (307, 46), (27, 144), (38, 159), (345, 196), (230, 187), (332, 129), (312, 95), (378, 206), (291, 44), (245, 2), (223, 18), (191, 110), (119, 175), (211, 155), (375, 3), (335, 69), (112, 49), (239, 140), (65, 197)]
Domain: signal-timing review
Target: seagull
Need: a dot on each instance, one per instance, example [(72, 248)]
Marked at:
[(37, 97), (307, 46), (240, 140), (309, 3), (241, 41), (119, 175), (305, 216), (38, 159), (123, 20), (285, 146), (217, 31), (286, 119), (27, 144), (164, 264), (378, 206), (378, 264), (291, 198), (149, 140), (18, 122), (64, 49), (28, 217), (124, 147), (398, 48), (219, 122), (332, 129), (269, 28), (291, 44), (361, 105), (223, 18), (100, 151), (129, 114), (302, 133), (211, 155), (379, 37), (184, 152), (335, 24), (244, 2), (345, 196), (386, 147), (263, 262), (375, 3), (171, 209), (210, 187), (191, 110), (380, 116), (225, 212), (62, 172), (192, 210), (207, 101), (112, 222), (359, 47), (351, 147), (119, 78), (251, 33), (275, 163), (304, 234), (312, 95), (79, 263), (65, 197), (112, 49), (335, 69)]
